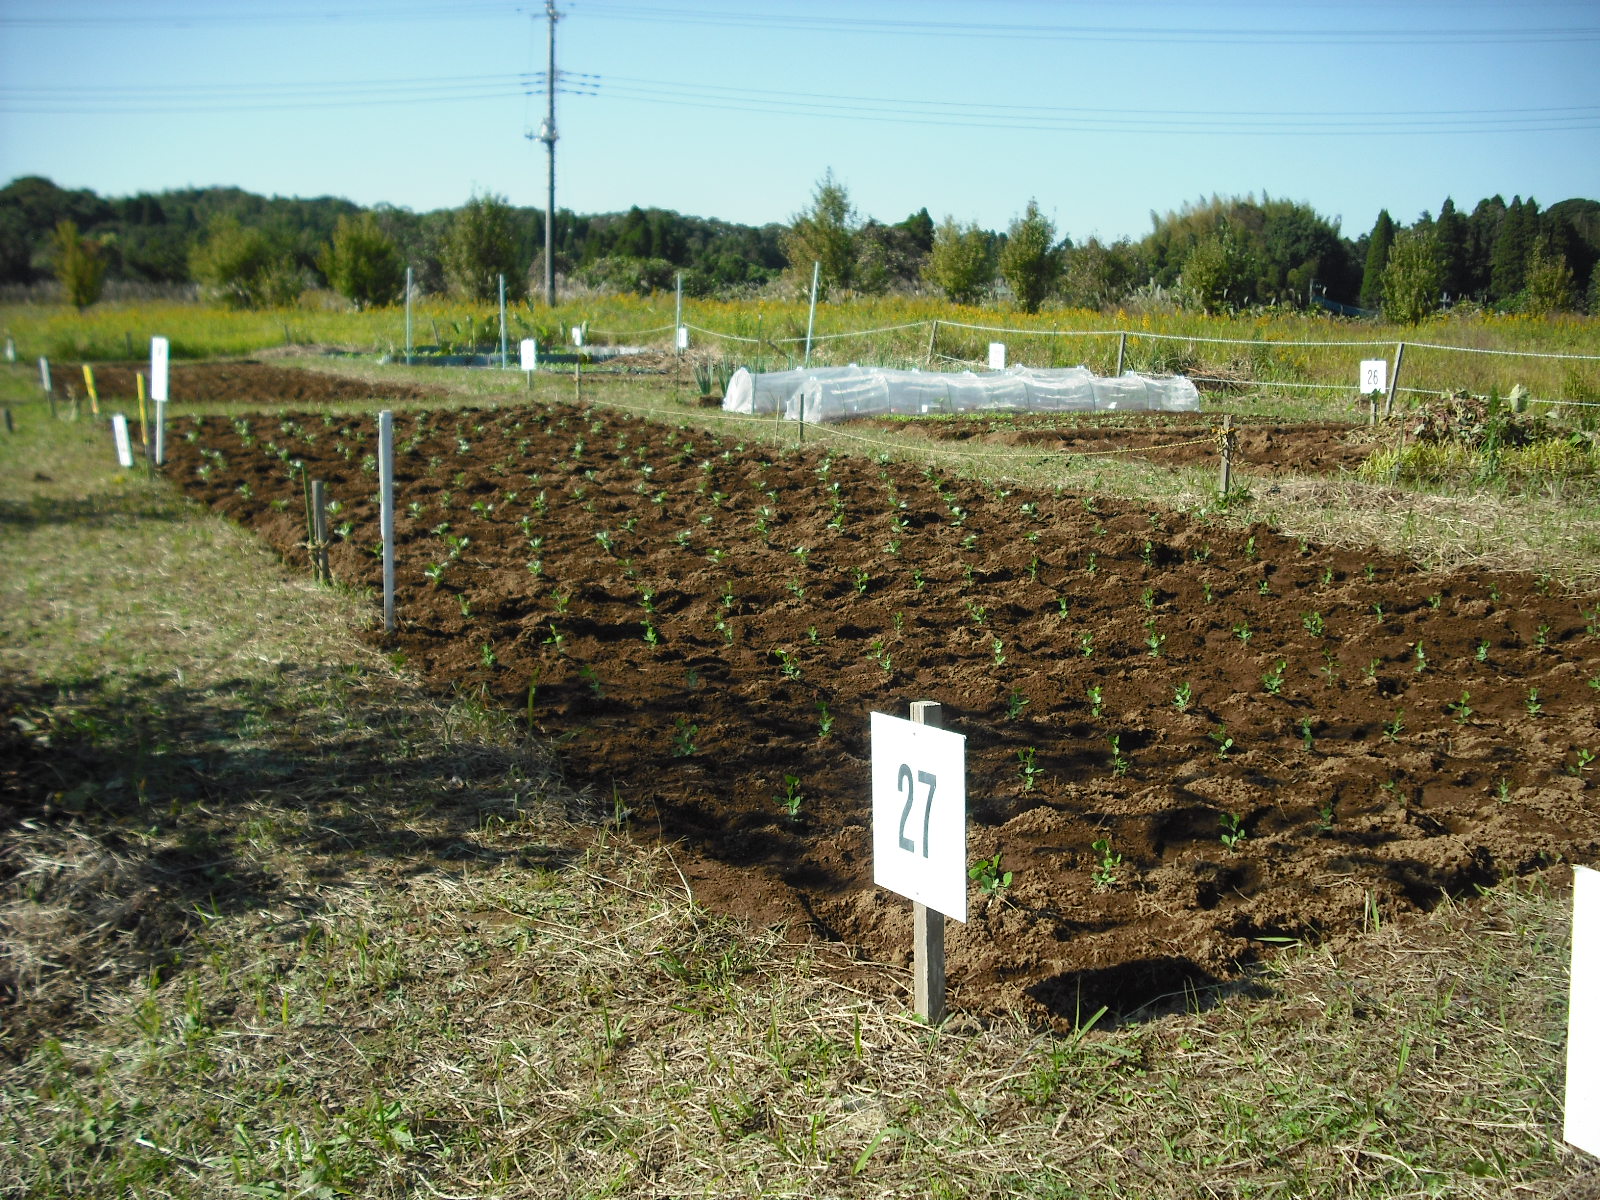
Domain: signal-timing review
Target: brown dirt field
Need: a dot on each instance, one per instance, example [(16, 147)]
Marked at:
[(1166, 438), (247, 383), (1383, 736)]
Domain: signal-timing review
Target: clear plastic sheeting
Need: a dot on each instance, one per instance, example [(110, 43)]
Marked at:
[(838, 393)]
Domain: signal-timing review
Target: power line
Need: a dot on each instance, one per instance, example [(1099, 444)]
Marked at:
[(1442, 34)]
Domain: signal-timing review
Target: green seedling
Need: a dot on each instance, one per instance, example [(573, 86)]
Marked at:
[(1421, 663), (1532, 703), (787, 660), (1482, 653), (1325, 816), (824, 719), (997, 648), (1585, 759), (1243, 632), (1393, 728), (1304, 725), (1027, 769), (1461, 709), (988, 875), (1273, 679), (1108, 865), (1096, 699), (486, 655), (1232, 830), (1086, 644), (1119, 764), (1224, 743), (683, 738), (1015, 703), (1313, 623), (1183, 696), (790, 799)]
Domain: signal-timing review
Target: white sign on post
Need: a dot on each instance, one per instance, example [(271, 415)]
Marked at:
[(530, 354), (158, 369), (997, 356), (1374, 375), (919, 813), (577, 335), (683, 337), (119, 427), (1581, 1127)]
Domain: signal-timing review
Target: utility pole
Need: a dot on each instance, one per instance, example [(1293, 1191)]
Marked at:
[(547, 135)]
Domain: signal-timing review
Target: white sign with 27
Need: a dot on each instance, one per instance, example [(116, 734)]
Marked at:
[(919, 813)]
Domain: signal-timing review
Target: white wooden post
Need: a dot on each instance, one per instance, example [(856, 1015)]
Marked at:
[(928, 933), (386, 511)]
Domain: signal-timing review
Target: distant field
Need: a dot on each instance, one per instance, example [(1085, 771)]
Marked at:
[(1244, 350)]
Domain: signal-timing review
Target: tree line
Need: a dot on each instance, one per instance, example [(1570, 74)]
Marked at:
[(1216, 254)]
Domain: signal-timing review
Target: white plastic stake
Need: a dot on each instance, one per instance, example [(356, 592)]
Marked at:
[(386, 511), (119, 428), (811, 318), (11, 351), (502, 322), (409, 344), (683, 338), (160, 446), (1581, 1126), (997, 356), (530, 354), (159, 353), (677, 316), (44, 374)]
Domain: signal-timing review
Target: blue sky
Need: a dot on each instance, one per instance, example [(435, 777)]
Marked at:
[(735, 108)]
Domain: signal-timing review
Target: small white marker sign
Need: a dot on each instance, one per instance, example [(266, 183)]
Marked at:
[(530, 354), (1582, 1125), (1374, 375), (997, 356), (683, 337), (158, 369), (119, 427), (919, 813), (577, 335)]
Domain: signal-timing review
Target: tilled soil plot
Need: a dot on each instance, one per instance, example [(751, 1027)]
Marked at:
[(246, 382), (1188, 744), (1171, 439)]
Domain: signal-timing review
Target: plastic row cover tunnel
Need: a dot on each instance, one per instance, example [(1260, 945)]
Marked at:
[(835, 393)]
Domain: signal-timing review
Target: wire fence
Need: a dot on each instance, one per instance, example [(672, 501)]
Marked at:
[(1330, 367)]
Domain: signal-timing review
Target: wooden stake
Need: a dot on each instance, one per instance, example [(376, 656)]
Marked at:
[(1394, 379), (319, 533), (10, 428), (927, 963), (1227, 453), (933, 334), (1122, 349)]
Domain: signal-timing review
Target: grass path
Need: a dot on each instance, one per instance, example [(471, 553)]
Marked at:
[(275, 922)]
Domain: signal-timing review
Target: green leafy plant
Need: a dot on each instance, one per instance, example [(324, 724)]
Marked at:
[(1108, 865), (684, 733), (824, 719), (1119, 763), (1313, 623), (1232, 830), (1224, 743), (1015, 703), (1096, 695), (1461, 709), (1027, 769), (1183, 696), (1273, 680), (791, 799), (987, 874)]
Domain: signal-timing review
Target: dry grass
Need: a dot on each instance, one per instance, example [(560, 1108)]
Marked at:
[(331, 935)]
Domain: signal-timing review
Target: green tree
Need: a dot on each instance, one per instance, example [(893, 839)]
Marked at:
[(363, 263), (481, 247), (1411, 280), (825, 233), (1220, 271), (1548, 285), (1030, 261), (960, 263), (1513, 246), (1451, 233), (1095, 275), (79, 264), (1378, 244), (241, 267)]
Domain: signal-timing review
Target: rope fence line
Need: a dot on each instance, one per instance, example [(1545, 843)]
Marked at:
[(1107, 333), (952, 451)]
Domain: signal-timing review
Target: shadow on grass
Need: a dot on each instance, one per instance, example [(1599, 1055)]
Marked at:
[(134, 811)]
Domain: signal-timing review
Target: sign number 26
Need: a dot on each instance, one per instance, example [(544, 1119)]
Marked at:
[(904, 784)]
